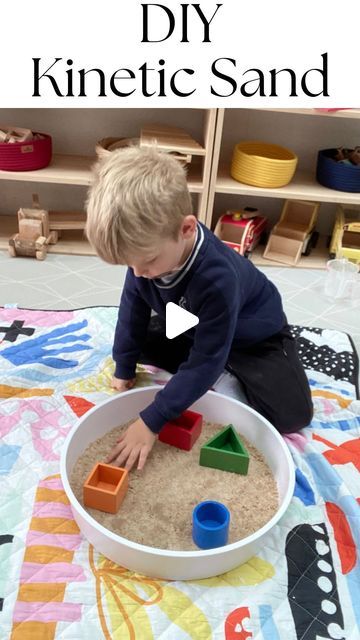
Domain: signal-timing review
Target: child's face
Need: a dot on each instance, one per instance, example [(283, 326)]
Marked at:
[(167, 255)]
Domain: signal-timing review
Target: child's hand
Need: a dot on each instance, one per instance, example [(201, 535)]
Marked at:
[(122, 385), (135, 445)]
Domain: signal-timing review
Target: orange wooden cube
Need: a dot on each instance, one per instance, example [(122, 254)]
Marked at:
[(105, 487)]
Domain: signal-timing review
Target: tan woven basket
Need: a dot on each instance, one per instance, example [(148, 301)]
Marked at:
[(107, 145), (263, 165)]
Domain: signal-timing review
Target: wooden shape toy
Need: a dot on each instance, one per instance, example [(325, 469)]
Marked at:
[(211, 522), (105, 487), (182, 432), (225, 451)]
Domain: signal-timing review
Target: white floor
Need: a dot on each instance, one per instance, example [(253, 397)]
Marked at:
[(70, 282)]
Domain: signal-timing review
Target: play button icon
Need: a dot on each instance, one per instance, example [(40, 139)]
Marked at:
[(178, 320)]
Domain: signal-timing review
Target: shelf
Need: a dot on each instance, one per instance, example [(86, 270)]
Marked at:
[(346, 113), (302, 187), (71, 242), (76, 170), (316, 260), (63, 169)]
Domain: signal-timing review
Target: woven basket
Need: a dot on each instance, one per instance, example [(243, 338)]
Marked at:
[(105, 146), (263, 165), (337, 175), (26, 156)]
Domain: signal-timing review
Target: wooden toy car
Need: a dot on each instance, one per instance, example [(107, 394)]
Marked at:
[(242, 230), (345, 240), (295, 233)]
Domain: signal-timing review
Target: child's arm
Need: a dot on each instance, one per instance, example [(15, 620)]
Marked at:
[(207, 359), (130, 332), (217, 309)]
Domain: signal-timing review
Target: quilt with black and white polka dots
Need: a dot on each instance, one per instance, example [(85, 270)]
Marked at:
[(327, 351)]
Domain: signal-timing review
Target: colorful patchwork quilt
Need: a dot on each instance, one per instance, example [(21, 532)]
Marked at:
[(303, 585)]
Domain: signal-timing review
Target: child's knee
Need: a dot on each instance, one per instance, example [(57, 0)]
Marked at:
[(296, 421)]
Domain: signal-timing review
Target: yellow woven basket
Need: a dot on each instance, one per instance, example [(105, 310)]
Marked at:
[(263, 165)]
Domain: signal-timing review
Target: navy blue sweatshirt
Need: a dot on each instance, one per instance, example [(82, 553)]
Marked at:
[(235, 303)]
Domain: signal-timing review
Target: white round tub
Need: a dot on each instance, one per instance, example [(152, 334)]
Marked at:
[(161, 563)]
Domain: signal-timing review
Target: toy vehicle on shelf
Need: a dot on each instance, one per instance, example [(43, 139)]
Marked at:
[(242, 230), (34, 234), (345, 240), (294, 235)]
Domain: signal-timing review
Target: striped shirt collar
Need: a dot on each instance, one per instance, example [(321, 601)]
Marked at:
[(173, 280)]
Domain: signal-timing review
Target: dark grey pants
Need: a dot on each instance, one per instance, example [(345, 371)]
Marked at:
[(270, 373)]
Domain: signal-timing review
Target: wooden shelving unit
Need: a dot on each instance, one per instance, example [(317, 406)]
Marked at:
[(345, 113), (303, 186), (72, 241), (208, 176), (64, 169), (316, 260), (76, 170)]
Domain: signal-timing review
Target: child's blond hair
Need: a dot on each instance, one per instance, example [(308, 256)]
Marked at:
[(138, 196)]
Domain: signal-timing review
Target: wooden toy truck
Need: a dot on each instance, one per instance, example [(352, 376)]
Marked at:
[(39, 228), (242, 230), (34, 234), (345, 240), (294, 234)]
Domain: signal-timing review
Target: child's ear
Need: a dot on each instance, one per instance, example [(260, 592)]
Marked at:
[(188, 226)]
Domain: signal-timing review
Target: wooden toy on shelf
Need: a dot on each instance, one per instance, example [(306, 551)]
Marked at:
[(294, 234), (345, 240), (225, 451), (242, 230), (105, 487), (182, 432), (33, 236), (171, 140), (11, 134), (39, 228), (349, 156)]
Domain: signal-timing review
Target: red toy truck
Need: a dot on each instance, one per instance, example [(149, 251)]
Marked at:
[(242, 230)]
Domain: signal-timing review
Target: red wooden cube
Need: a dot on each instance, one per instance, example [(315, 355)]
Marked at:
[(182, 432)]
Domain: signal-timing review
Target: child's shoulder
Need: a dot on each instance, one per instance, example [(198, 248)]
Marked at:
[(217, 255)]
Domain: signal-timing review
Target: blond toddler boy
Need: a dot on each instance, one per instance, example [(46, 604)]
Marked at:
[(139, 213)]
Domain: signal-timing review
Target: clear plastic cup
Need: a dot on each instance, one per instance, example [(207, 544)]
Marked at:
[(342, 279)]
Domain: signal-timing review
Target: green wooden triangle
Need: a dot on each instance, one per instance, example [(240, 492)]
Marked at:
[(225, 451), (227, 439)]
